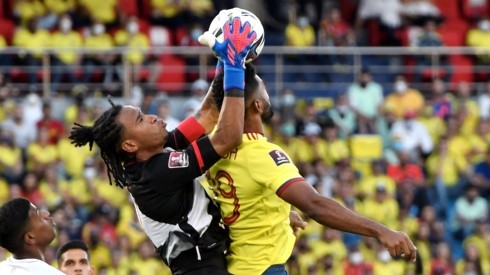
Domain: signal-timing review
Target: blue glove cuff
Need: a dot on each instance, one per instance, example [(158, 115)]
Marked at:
[(219, 67), (234, 78)]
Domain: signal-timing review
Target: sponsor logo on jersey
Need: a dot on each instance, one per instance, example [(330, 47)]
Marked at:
[(279, 157), (178, 160)]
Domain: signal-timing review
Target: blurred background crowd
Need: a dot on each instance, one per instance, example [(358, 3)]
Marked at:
[(409, 149)]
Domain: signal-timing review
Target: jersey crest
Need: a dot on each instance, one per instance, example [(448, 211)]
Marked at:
[(279, 157), (178, 160)]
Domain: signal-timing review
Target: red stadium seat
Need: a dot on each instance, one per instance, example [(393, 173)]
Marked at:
[(128, 7), (172, 77), (449, 8), (472, 12), (7, 29), (145, 8)]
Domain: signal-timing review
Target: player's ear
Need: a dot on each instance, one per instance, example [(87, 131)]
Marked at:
[(129, 146), (29, 238), (258, 106)]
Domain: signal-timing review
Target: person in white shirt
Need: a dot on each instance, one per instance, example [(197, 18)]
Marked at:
[(26, 232), (412, 136)]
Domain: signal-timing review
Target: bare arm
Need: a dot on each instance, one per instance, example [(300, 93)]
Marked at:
[(330, 213), (208, 114), (228, 134)]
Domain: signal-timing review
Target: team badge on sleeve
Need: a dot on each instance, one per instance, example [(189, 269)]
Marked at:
[(178, 160), (279, 157)]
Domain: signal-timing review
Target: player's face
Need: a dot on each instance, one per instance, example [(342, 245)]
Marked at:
[(75, 262), (268, 112), (143, 131), (41, 226)]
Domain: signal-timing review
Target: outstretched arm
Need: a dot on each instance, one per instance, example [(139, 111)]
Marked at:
[(330, 213), (208, 114), (232, 52)]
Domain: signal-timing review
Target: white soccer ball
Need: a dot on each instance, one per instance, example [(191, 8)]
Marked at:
[(216, 28)]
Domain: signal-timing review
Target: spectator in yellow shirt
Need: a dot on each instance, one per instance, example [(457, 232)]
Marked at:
[(300, 33), (382, 207), (366, 188), (60, 7), (98, 44), (41, 153), (337, 148), (479, 38), (467, 108), (66, 58), (137, 45), (167, 13), (147, 263), (311, 146), (11, 164), (26, 10), (33, 41), (101, 11), (404, 98), (434, 124)]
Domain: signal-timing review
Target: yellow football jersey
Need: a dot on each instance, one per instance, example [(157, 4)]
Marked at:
[(245, 183)]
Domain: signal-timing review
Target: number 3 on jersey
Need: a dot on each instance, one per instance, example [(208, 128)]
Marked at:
[(223, 186)]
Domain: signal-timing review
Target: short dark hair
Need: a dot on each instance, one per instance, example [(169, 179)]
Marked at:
[(73, 244), (14, 218), (251, 85)]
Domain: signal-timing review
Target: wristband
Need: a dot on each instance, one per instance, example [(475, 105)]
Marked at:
[(191, 129), (234, 78)]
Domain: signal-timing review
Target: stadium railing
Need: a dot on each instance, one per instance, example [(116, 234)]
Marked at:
[(309, 71)]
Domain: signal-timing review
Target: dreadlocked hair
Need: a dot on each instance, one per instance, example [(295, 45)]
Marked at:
[(106, 133)]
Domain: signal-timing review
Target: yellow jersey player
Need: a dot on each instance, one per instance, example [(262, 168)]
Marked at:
[(256, 183)]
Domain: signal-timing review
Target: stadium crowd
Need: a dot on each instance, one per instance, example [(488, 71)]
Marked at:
[(417, 161)]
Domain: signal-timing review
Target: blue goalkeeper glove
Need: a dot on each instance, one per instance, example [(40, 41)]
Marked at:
[(237, 41)]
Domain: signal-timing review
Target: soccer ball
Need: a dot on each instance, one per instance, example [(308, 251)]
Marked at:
[(216, 28)]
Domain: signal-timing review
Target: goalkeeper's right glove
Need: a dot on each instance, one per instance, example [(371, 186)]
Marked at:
[(232, 51)]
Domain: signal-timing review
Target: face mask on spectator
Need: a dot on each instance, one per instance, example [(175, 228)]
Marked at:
[(89, 173), (195, 33), (288, 100), (133, 28), (355, 258), (400, 86), (303, 22), (65, 25), (98, 29), (384, 256), (342, 108), (484, 25)]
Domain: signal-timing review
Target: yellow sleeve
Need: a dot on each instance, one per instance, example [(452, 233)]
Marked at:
[(472, 38), (274, 168), (121, 38)]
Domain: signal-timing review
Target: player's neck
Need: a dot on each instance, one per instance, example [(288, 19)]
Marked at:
[(36, 253), (253, 125), (143, 155)]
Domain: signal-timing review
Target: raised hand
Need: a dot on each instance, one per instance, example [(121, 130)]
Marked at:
[(237, 41)]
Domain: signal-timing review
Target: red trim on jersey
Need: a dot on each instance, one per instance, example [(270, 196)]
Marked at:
[(253, 136), (288, 183), (191, 129), (198, 154)]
